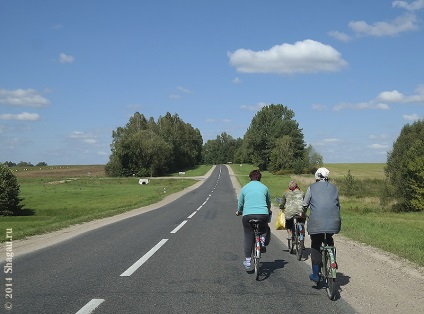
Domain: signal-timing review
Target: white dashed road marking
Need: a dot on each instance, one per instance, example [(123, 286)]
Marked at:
[(143, 259)]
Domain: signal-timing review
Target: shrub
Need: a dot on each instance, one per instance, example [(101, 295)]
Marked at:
[(405, 167), (9, 192)]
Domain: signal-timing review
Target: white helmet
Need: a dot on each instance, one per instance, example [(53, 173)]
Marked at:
[(322, 174)]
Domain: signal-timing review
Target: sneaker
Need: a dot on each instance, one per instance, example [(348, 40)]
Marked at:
[(246, 264), (263, 241)]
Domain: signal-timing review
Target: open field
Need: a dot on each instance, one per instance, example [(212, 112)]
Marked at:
[(59, 171), (363, 219), (60, 196)]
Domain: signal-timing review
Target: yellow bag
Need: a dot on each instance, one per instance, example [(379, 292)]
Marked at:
[(280, 224)]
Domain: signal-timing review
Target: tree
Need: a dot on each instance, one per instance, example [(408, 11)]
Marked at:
[(9, 192), (282, 154), (144, 147), (405, 167), (268, 125), (221, 150), (10, 164), (25, 164), (186, 141)]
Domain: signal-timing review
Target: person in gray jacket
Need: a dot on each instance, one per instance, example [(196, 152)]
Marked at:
[(322, 197)]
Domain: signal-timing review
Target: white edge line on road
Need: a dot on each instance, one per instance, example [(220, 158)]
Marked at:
[(199, 207), (179, 227), (192, 214), (143, 259), (90, 306)]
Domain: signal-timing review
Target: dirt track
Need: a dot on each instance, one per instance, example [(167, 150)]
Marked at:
[(371, 280)]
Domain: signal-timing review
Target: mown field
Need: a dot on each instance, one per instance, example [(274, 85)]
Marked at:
[(364, 219)]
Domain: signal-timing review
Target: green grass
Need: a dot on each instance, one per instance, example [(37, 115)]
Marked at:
[(399, 233), (363, 219), (56, 202)]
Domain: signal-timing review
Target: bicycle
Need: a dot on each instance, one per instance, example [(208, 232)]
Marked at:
[(329, 267), (256, 248), (298, 237)]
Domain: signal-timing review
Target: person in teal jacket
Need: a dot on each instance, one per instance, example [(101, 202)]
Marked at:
[(254, 203)]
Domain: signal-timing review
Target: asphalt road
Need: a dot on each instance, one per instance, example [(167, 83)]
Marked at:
[(184, 257)]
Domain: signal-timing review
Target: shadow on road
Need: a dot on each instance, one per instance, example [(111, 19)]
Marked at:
[(267, 268), (341, 280)]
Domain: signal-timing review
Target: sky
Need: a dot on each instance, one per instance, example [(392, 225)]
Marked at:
[(72, 72)]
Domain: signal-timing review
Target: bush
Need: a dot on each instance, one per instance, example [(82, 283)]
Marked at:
[(9, 192), (405, 167)]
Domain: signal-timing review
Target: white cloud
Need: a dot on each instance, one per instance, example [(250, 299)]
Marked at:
[(411, 117), (395, 96), (174, 96), (361, 106), (184, 90), (401, 24), (256, 107), (413, 6), (86, 138), (319, 107), (331, 140), (378, 146), (64, 58), (378, 136), (90, 141), (306, 56), (237, 80), (340, 36), (24, 116), (22, 97)]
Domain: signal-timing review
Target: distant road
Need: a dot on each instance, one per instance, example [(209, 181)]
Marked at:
[(183, 257)]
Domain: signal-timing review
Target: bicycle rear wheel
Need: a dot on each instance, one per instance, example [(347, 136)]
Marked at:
[(256, 255), (330, 279), (299, 248)]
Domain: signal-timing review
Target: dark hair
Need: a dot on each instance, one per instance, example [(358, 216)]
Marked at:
[(255, 175)]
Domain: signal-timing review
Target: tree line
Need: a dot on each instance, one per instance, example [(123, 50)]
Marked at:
[(24, 164), (145, 147)]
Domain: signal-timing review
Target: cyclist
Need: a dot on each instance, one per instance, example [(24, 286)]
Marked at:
[(291, 202), (322, 198), (254, 203)]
